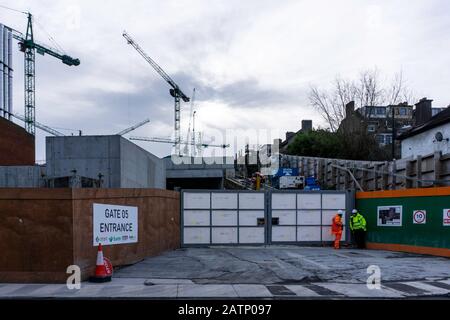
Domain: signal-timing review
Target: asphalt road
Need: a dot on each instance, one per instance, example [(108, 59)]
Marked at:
[(273, 272)]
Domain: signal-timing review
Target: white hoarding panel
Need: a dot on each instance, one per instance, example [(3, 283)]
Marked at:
[(224, 200), (308, 217), (196, 217), (195, 200), (327, 236), (224, 235), (283, 234), (113, 224), (308, 233), (196, 235), (224, 218), (308, 201), (333, 201), (250, 218), (283, 201), (251, 200), (251, 235), (286, 217), (327, 217)]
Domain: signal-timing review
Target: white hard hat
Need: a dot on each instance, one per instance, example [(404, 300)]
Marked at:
[(354, 211), (340, 212)]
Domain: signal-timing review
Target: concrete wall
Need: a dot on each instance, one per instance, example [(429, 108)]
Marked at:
[(424, 143), (43, 231), (122, 163), (140, 168), (16, 145), (206, 172), (22, 176)]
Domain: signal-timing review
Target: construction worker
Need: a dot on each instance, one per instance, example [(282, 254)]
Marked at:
[(336, 228), (358, 228)]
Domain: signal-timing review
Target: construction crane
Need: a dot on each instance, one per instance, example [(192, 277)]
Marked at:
[(37, 124), (29, 47), (168, 140), (132, 128), (191, 115), (175, 91)]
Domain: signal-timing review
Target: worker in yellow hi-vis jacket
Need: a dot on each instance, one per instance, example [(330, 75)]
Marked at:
[(358, 228)]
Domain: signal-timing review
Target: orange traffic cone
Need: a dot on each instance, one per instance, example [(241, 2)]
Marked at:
[(103, 268)]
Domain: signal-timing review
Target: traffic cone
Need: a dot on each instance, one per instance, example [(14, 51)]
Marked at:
[(103, 268)]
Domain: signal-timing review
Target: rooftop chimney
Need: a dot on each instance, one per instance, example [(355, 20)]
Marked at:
[(349, 108), (306, 125), (423, 111)]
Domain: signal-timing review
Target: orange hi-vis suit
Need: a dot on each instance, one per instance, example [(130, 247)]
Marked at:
[(336, 229)]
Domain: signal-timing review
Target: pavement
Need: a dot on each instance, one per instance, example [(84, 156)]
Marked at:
[(271, 272)]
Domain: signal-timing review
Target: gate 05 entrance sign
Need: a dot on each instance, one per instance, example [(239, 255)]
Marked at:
[(114, 224)]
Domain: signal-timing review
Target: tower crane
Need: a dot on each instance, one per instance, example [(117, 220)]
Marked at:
[(29, 47), (175, 91), (41, 126), (168, 140), (132, 128), (190, 120)]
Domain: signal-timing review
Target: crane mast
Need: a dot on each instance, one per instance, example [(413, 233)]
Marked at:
[(175, 91), (29, 48)]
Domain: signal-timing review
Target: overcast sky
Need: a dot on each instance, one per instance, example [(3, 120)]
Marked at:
[(251, 62)]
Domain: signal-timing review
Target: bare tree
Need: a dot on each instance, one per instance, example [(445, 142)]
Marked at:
[(366, 91)]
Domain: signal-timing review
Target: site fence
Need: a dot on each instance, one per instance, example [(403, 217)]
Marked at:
[(432, 170)]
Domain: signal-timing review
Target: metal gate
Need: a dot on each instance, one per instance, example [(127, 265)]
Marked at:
[(219, 217)]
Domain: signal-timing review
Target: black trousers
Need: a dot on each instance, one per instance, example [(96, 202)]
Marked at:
[(360, 238)]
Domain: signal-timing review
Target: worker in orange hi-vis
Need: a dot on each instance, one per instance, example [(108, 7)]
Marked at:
[(336, 228)]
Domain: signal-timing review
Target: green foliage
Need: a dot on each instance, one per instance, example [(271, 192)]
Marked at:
[(326, 144)]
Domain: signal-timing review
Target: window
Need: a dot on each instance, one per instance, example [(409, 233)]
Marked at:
[(371, 128), (380, 138), (388, 139), (380, 111), (403, 112)]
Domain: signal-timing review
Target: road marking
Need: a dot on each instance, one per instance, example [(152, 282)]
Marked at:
[(429, 287), (406, 289), (439, 284), (277, 290), (322, 291)]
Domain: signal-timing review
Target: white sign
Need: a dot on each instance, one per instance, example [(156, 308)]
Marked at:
[(419, 216), (114, 224), (389, 216), (446, 217)]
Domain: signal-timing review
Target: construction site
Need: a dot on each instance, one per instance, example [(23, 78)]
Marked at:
[(212, 219)]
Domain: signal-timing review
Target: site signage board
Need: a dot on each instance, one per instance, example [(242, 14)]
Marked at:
[(113, 224)]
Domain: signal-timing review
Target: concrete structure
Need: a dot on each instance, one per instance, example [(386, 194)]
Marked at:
[(16, 145), (118, 162), (198, 173), (22, 176), (428, 136)]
